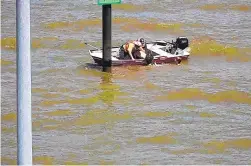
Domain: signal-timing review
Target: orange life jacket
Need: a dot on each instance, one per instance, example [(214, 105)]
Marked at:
[(126, 47)]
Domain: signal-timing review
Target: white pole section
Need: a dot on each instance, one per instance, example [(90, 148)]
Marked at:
[(24, 118)]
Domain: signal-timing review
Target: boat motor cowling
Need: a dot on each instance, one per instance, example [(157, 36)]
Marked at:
[(149, 57), (182, 42)]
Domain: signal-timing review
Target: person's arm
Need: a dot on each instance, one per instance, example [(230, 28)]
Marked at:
[(142, 49)]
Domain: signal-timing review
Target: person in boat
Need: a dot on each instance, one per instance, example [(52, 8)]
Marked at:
[(143, 43), (133, 49)]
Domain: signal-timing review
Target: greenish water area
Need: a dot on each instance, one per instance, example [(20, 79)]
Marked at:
[(198, 112)]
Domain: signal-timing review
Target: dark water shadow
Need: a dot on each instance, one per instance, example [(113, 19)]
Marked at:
[(115, 69), (91, 66)]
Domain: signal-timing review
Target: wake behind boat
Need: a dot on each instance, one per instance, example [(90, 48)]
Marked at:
[(158, 52)]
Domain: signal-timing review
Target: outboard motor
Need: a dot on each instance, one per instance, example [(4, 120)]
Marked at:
[(182, 43), (149, 57)]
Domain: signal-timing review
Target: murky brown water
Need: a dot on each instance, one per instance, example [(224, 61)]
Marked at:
[(195, 113)]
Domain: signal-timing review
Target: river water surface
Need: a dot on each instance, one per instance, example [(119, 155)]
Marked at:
[(196, 113)]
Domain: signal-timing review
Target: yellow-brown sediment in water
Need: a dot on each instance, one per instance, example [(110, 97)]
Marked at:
[(59, 113), (230, 96), (162, 139), (110, 96), (50, 95), (218, 146), (12, 70), (207, 115), (93, 117), (90, 100), (44, 42), (51, 103), (74, 163), (62, 90), (9, 43), (10, 117), (39, 90), (213, 7), (100, 117), (72, 44), (241, 7), (85, 23), (124, 20), (215, 147), (44, 121), (46, 124), (8, 129), (85, 91), (8, 161), (191, 107), (76, 25), (212, 80), (6, 62), (127, 24), (44, 160), (196, 94), (184, 94), (128, 73), (58, 24), (78, 101), (206, 46), (109, 93)]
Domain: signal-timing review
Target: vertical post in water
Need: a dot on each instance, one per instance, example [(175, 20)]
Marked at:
[(107, 36), (24, 123)]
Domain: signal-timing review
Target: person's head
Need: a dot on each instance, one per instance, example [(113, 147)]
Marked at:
[(137, 44), (142, 41)]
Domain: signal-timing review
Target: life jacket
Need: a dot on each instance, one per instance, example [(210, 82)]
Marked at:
[(126, 45)]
